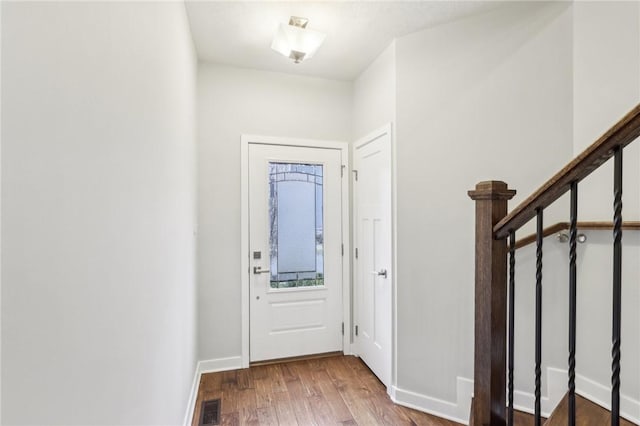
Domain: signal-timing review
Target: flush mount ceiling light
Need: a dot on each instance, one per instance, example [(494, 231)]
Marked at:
[(296, 41)]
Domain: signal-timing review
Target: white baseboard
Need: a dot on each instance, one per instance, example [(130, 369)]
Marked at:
[(589, 389), (220, 364), (556, 383), (457, 412), (192, 397), (601, 395), (208, 366)]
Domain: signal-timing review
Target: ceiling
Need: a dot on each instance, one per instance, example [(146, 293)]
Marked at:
[(239, 33)]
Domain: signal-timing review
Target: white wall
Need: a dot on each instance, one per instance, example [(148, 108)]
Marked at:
[(0, 212), (98, 211), (488, 97), (232, 102), (606, 86), (374, 94)]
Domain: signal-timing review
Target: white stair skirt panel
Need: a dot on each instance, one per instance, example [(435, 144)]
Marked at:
[(556, 384)]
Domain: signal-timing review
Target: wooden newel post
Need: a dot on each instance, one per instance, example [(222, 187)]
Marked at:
[(489, 402)]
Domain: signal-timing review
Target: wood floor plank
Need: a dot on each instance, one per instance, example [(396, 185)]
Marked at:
[(310, 387), (359, 410), (267, 416), (229, 402), (211, 382), (321, 410), (276, 379), (259, 372), (341, 412), (285, 413), (264, 395), (231, 419), (338, 390), (229, 380), (303, 411), (383, 410), (288, 373), (248, 417), (295, 388), (245, 379), (247, 399)]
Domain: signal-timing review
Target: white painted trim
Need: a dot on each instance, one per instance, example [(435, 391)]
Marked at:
[(203, 367), (376, 134), (245, 140), (347, 316), (244, 247), (394, 217), (193, 395), (457, 412), (220, 364), (589, 389), (601, 395), (556, 381), (0, 212), (309, 143)]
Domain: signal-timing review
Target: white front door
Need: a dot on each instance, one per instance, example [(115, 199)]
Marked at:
[(373, 274), (295, 260)]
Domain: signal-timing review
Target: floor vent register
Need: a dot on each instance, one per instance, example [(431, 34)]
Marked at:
[(210, 412)]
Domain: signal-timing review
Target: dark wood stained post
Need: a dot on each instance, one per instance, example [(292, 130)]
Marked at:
[(490, 305)]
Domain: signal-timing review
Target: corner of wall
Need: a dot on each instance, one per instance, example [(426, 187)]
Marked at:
[(204, 367), (457, 412)]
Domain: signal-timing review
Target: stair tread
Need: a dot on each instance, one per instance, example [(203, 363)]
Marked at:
[(588, 413)]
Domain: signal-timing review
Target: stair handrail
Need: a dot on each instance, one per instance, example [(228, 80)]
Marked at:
[(587, 226), (493, 227), (625, 131)]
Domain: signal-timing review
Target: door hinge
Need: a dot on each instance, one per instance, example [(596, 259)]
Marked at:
[(355, 173), (356, 330), (342, 248), (343, 329), (356, 252), (342, 171)]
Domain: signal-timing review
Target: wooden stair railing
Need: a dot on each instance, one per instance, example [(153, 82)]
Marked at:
[(565, 226), (492, 298)]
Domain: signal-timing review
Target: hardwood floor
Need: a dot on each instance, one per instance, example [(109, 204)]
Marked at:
[(338, 390)]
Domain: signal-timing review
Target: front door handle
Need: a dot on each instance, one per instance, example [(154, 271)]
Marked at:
[(381, 273), (258, 270)]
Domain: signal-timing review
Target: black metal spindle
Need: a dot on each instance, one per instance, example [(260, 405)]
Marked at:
[(512, 286), (573, 232), (617, 287), (539, 237)]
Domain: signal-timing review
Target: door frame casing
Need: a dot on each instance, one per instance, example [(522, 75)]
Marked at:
[(343, 147), (376, 134)]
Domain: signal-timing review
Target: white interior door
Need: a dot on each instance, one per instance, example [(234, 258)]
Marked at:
[(295, 237), (373, 274)]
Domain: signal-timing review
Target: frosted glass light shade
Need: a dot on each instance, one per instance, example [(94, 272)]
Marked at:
[(297, 43)]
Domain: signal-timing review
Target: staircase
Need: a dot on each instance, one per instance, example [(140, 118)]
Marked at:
[(495, 285), (587, 414)]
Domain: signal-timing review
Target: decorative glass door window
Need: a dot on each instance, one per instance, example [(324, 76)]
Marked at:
[(295, 225)]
